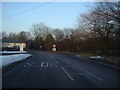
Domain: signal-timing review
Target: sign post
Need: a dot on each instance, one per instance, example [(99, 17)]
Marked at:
[(54, 48)]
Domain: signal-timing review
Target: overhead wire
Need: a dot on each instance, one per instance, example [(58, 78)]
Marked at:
[(22, 12)]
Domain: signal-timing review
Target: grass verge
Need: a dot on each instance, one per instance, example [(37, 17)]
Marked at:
[(113, 60)]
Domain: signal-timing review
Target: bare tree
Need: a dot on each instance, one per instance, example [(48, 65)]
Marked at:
[(4, 34), (23, 36), (58, 34), (67, 32), (40, 30), (102, 23), (12, 36)]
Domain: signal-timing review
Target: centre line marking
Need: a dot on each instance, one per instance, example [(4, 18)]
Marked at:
[(54, 60), (67, 73)]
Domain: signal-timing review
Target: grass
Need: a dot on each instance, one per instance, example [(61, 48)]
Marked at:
[(87, 54), (65, 52), (113, 60)]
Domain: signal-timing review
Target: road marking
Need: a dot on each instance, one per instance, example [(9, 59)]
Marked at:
[(35, 66), (57, 62), (79, 74), (30, 64), (67, 73), (51, 65), (91, 74), (27, 65), (24, 66), (55, 65), (87, 72), (44, 65), (54, 59)]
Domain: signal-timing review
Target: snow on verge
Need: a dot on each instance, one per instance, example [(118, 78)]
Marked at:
[(13, 52), (6, 60), (96, 57)]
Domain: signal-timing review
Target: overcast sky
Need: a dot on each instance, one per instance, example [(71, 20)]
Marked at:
[(18, 16)]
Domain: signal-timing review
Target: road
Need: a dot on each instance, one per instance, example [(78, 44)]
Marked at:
[(53, 70)]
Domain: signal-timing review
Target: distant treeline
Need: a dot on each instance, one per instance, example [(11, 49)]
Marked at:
[(97, 31)]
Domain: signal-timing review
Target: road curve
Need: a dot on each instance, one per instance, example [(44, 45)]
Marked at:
[(53, 70)]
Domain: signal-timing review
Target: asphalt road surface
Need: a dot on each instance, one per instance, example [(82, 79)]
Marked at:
[(53, 70)]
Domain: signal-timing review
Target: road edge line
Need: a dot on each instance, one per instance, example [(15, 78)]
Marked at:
[(67, 73)]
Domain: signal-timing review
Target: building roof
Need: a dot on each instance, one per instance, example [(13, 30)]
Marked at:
[(11, 41)]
